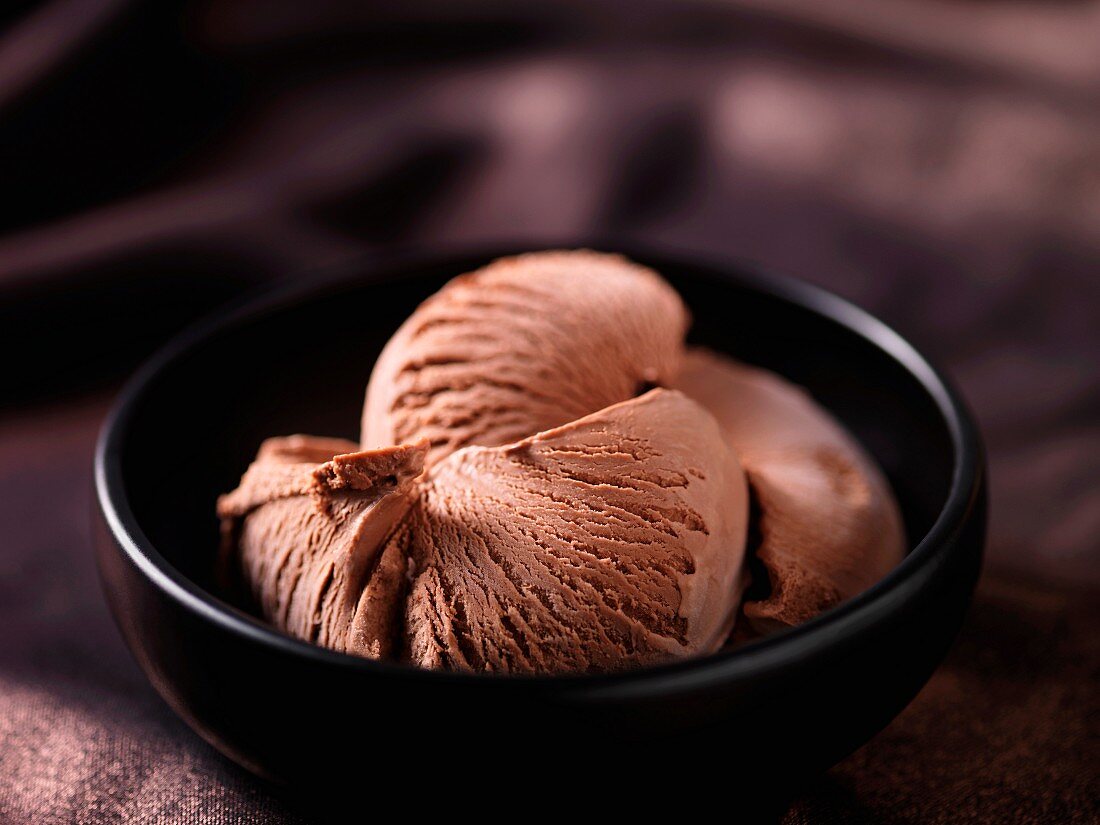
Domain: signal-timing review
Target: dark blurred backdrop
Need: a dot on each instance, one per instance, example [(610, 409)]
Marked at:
[(938, 161)]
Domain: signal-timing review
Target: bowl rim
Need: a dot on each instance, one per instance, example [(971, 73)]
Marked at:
[(781, 650)]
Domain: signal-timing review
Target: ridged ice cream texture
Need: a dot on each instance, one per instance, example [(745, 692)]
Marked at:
[(569, 520), (827, 522), (524, 345), (616, 540), (309, 526)]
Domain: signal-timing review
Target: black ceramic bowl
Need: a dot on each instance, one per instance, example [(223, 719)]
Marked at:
[(187, 425)]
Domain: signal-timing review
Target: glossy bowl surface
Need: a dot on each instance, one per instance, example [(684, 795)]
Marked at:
[(188, 423)]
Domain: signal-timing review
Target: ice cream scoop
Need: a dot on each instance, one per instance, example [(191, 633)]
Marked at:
[(523, 345), (827, 524), (308, 527), (614, 541)]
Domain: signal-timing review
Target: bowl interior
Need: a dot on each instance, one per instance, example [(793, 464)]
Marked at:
[(302, 365)]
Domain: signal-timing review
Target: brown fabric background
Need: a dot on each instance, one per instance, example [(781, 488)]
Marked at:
[(938, 161)]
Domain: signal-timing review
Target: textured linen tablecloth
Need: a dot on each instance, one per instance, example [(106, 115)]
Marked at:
[(938, 162)]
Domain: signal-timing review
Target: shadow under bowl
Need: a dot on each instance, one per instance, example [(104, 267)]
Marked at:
[(776, 711)]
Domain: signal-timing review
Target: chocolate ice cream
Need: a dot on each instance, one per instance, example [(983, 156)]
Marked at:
[(309, 525), (522, 345), (555, 514), (614, 541), (827, 521)]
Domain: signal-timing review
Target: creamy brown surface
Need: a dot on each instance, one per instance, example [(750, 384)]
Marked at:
[(828, 524), (523, 345), (308, 524), (567, 519), (613, 541)]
